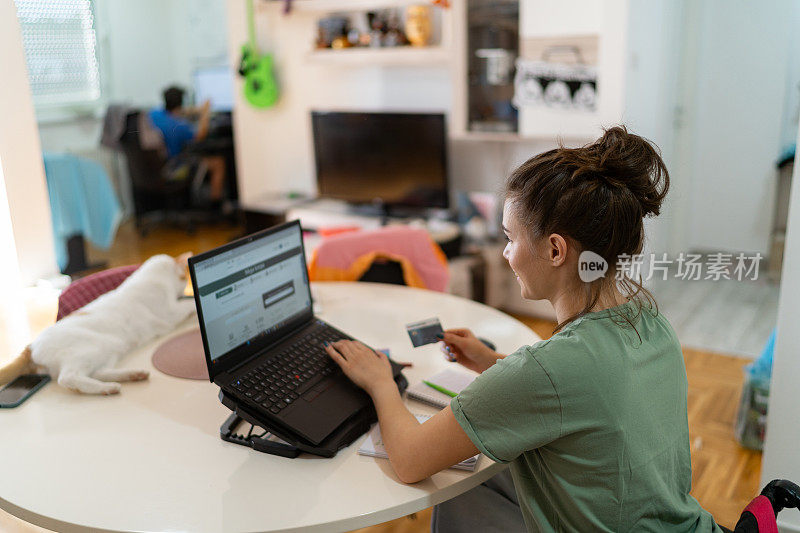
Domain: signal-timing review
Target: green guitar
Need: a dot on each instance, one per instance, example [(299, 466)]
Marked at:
[(260, 88)]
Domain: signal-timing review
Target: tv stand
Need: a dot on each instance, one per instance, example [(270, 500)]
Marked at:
[(374, 210), (387, 213), (324, 212)]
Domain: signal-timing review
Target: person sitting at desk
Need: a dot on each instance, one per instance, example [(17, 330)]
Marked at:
[(593, 421), (179, 132)]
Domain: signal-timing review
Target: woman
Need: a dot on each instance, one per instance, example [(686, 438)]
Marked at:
[(593, 420)]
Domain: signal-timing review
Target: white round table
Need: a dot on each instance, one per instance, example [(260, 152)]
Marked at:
[(151, 459)]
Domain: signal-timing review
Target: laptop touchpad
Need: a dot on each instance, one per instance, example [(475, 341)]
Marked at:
[(318, 414), (340, 396)]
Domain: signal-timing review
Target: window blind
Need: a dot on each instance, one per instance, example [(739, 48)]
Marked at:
[(60, 50)]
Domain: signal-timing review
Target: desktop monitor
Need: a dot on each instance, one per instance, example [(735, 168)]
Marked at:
[(393, 159), (214, 84)]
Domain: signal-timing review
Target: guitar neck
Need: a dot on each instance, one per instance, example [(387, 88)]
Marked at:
[(251, 24)]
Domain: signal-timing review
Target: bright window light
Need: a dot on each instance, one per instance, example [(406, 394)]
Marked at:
[(9, 268), (60, 50), (13, 315)]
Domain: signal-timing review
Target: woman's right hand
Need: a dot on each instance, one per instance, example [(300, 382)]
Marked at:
[(468, 350)]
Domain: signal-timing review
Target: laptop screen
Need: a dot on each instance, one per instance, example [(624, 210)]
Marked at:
[(251, 290)]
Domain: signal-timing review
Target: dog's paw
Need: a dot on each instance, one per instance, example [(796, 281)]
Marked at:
[(139, 375), (111, 388)]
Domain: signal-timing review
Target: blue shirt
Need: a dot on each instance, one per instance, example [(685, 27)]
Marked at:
[(177, 132)]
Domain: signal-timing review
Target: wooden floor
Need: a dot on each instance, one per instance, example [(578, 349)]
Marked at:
[(129, 248), (726, 316), (724, 475)]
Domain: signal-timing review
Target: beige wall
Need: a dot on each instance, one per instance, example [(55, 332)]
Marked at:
[(21, 161), (781, 457)]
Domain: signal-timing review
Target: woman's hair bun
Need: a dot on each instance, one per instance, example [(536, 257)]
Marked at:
[(628, 160), (598, 196)]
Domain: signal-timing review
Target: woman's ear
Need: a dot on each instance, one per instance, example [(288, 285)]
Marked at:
[(557, 249)]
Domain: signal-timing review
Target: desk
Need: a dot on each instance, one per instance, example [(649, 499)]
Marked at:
[(151, 458), (220, 143)]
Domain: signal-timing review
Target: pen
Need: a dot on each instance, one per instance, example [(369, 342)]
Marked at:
[(440, 389)]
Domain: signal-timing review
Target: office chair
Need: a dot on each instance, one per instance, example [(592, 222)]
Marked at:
[(392, 254), (760, 515), (384, 271), (85, 290), (159, 193)]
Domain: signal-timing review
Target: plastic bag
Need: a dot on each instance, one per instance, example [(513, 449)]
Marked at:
[(751, 420)]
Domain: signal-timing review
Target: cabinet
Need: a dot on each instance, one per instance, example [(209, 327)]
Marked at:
[(489, 38), (492, 47)]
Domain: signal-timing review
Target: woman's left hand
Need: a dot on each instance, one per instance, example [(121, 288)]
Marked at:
[(365, 367)]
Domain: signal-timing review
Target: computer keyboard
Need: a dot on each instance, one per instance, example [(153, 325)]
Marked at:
[(287, 376)]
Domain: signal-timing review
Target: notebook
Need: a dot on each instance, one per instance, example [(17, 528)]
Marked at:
[(373, 447), (450, 379)]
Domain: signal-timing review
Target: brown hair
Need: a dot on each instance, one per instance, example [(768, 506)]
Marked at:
[(597, 195)]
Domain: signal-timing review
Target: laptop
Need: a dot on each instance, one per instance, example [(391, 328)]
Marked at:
[(263, 344)]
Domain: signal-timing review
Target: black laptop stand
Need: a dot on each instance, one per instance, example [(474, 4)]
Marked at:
[(291, 445), (260, 442)]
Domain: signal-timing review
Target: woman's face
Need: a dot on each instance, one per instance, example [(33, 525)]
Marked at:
[(523, 256)]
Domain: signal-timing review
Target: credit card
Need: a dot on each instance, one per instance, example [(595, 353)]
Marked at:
[(424, 332)]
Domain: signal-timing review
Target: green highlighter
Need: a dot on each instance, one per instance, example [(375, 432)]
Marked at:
[(440, 389)]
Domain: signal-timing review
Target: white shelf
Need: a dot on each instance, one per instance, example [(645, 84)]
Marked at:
[(352, 5), (401, 55), (482, 136), (503, 137)]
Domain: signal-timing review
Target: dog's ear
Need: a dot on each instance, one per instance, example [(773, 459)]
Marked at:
[(183, 259)]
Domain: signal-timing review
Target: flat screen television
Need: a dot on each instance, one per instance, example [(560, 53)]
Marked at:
[(396, 160)]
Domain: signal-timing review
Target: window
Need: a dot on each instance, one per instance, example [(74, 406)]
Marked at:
[(60, 49)]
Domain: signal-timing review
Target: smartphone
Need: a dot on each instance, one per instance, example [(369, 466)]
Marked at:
[(21, 389)]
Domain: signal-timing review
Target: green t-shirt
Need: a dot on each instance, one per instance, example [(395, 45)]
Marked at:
[(594, 424)]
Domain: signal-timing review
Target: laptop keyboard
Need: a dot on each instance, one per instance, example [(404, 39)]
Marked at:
[(284, 378)]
